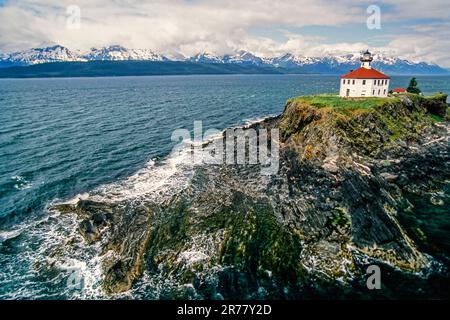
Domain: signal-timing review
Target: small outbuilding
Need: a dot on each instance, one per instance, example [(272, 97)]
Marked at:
[(398, 91)]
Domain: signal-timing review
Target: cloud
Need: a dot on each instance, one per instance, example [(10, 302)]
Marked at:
[(429, 43), (221, 26), (162, 24), (415, 9)]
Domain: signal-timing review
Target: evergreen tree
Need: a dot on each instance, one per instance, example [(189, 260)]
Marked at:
[(412, 88)]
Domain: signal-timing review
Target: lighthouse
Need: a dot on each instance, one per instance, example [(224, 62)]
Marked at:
[(365, 81)]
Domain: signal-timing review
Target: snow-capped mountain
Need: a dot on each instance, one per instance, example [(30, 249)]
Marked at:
[(59, 53), (289, 60), (118, 53), (326, 64), (287, 63), (241, 57), (41, 55), (344, 63), (205, 57), (246, 58)]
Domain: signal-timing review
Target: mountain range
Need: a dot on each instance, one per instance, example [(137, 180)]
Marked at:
[(286, 63)]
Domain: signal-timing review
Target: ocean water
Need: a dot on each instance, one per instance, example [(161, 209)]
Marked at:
[(62, 138)]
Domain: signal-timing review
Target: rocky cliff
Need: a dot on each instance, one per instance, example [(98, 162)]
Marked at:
[(349, 171)]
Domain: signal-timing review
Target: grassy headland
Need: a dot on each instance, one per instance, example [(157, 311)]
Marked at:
[(368, 123)]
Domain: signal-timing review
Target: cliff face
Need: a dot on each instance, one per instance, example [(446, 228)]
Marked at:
[(376, 153), (346, 174)]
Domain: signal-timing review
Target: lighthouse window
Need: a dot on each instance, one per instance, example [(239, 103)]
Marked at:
[(379, 91), (364, 82), (353, 82), (373, 92)]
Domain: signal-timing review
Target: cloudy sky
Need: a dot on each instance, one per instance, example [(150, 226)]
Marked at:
[(414, 29)]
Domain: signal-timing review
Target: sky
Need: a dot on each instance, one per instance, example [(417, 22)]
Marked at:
[(412, 29)]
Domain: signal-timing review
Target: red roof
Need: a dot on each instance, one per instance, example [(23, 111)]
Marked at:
[(364, 73), (399, 90)]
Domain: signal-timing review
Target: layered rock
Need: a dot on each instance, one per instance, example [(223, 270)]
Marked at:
[(311, 230)]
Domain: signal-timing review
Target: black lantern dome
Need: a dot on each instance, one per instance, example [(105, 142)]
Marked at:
[(366, 57)]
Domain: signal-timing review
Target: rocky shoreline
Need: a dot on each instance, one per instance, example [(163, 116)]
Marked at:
[(310, 231)]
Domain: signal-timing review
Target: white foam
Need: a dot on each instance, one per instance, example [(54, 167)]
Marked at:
[(78, 197), (83, 277), (79, 259), (251, 121), (191, 257), (156, 181), (22, 183), (11, 234)]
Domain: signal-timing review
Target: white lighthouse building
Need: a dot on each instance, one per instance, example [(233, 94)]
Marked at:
[(365, 81)]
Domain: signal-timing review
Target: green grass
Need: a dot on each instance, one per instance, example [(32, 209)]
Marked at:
[(439, 95), (343, 104), (348, 107)]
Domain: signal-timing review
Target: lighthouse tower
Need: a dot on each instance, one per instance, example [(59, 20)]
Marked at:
[(365, 81), (366, 60)]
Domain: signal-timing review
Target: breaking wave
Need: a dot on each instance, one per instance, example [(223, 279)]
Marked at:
[(74, 271)]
